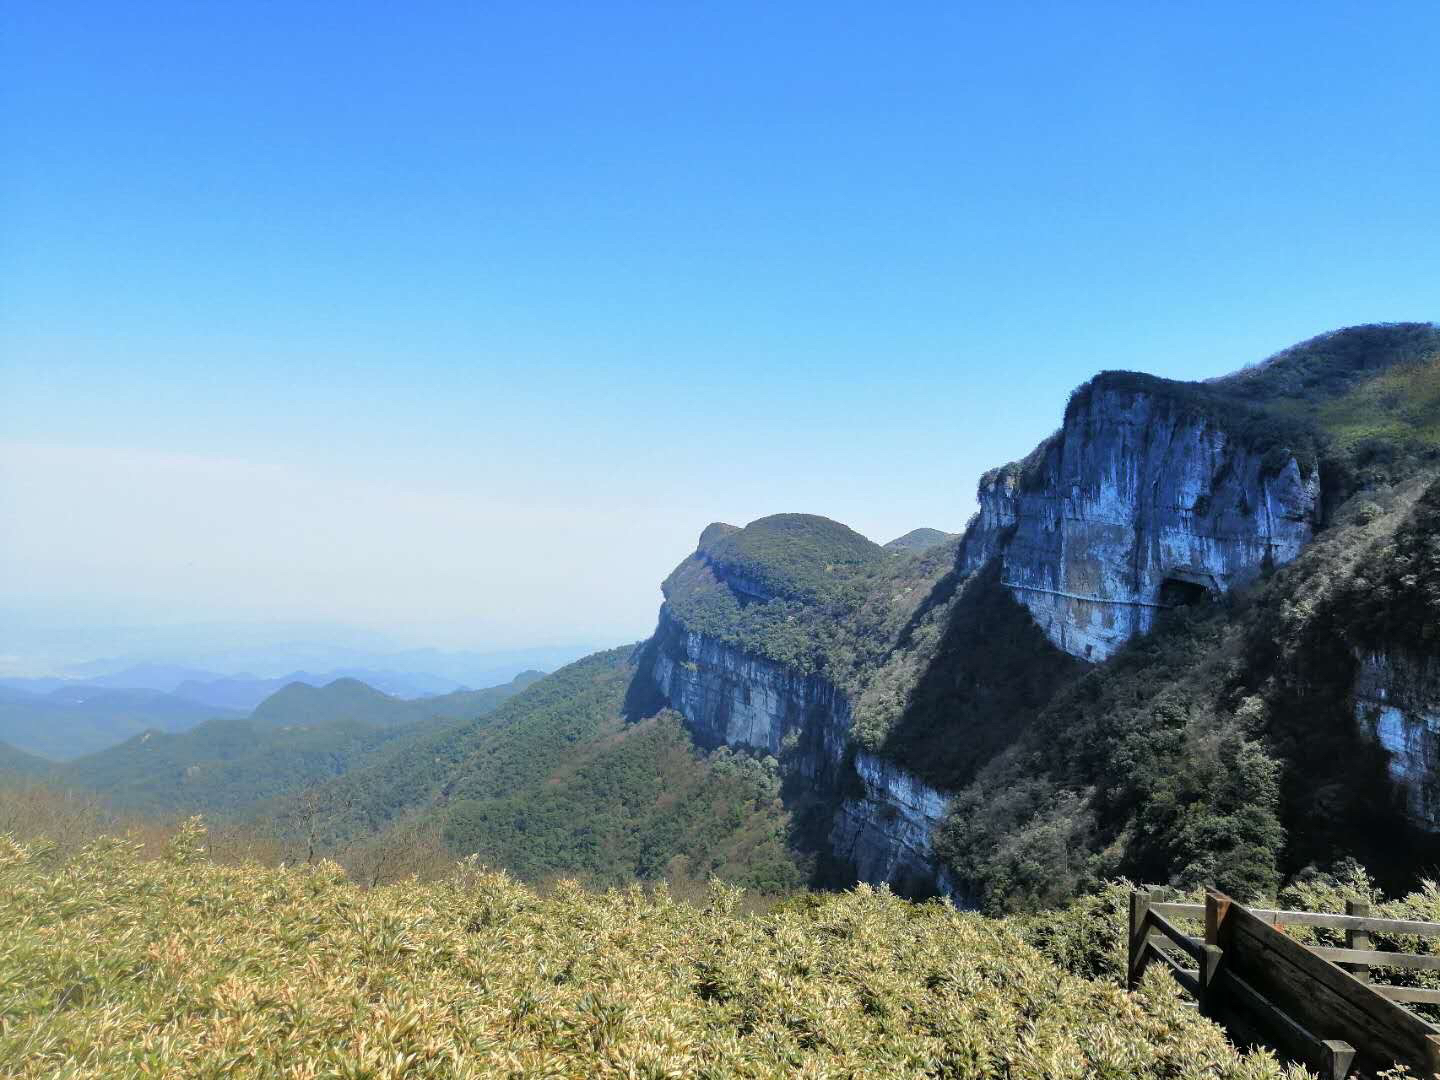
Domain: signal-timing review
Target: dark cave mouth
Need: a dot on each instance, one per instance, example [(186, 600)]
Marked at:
[(1178, 592)]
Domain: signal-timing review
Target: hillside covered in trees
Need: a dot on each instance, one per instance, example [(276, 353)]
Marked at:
[(299, 736)]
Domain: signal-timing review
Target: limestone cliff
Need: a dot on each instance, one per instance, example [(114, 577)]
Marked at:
[(1140, 502), (1397, 701), (732, 698), (886, 830), (883, 818)]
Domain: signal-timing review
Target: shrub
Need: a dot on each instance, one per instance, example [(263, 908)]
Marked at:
[(114, 966)]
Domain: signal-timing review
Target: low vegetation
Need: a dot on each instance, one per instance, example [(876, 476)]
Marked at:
[(115, 965), (792, 556), (836, 602)]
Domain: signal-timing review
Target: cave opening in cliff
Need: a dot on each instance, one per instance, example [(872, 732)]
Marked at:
[(1177, 592)]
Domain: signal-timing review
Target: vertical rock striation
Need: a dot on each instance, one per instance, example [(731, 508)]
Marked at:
[(1139, 503), (886, 832), (1397, 701), (731, 698), (884, 817)]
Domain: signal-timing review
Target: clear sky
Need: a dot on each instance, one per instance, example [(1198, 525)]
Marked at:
[(459, 321)]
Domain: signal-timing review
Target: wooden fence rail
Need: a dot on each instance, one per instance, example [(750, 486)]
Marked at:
[(1309, 918), (1249, 975)]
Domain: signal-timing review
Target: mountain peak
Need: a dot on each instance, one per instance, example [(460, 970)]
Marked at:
[(919, 540)]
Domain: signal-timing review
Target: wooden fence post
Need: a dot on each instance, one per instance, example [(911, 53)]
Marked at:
[(1210, 979), (1139, 931), (1217, 904), (1336, 1057), (1358, 939)]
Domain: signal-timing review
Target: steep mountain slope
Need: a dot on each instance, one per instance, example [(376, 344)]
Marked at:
[(581, 775), (889, 684), (300, 735), (74, 720), (1225, 746)]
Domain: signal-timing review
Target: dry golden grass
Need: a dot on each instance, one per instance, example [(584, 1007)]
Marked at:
[(112, 965)]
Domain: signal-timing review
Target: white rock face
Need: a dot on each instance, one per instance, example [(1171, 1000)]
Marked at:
[(1397, 700), (729, 697), (887, 833), (1137, 502), (732, 698), (991, 527)]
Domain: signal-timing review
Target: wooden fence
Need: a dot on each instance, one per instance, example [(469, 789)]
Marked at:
[(1317, 1004)]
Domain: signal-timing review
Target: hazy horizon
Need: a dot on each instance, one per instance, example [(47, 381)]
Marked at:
[(265, 650), (455, 326)]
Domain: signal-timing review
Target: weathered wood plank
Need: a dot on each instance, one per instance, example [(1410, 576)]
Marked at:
[(1217, 906), (1192, 946), (1368, 923), (1325, 919), (1320, 996), (1357, 939), (1417, 995), (1188, 980), (1139, 933), (1330, 1057), (1414, 961), (1335, 1059)]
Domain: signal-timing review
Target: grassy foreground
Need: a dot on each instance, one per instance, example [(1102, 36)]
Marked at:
[(115, 966)]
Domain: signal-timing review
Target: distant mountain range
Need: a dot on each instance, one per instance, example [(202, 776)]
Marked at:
[(297, 736), (167, 669), (61, 719), (74, 719), (242, 690), (241, 677), (246, 691)]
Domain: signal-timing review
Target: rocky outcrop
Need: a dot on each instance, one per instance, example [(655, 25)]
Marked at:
[(1397, 702), (1140, 502), (884, 817), (730, 698), (1148, 497), (994, 524), (887, 832)]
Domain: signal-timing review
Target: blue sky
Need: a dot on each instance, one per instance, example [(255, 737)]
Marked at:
[(459, 321)]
